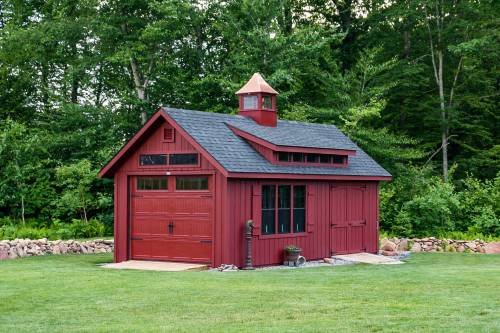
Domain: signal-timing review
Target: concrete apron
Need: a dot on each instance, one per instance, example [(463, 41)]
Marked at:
[(368, 258), (162, 266)]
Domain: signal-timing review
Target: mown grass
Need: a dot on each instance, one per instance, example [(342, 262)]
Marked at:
[(432, 292)]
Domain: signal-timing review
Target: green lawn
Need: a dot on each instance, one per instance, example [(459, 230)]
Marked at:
[(433, 292)]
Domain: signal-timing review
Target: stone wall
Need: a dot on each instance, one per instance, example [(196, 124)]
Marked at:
[(11, 249), (392, 246)]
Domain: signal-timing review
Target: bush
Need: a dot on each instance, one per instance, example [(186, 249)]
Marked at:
[(432, 211), (56, 230)]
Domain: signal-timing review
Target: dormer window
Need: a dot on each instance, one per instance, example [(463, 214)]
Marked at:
[(250, 102), (311, 159)]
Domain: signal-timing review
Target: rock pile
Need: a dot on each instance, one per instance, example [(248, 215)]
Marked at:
[(393, 246), (11, 249)]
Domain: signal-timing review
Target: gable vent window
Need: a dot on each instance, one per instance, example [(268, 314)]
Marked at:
[(183, 159), (168, 134), (153, 159)]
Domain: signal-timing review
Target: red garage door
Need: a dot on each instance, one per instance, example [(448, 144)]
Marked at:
[(347, 219), (168, 223)]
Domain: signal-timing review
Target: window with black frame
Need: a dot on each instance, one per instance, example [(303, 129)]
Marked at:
[(283, 209), (152, 159), (268, 209)]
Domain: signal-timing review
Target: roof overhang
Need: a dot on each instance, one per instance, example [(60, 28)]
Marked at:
[(306, 176), (292, 149)]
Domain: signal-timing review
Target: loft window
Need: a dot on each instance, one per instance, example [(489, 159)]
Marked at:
[(312, 158), (153, 159), (283, 157), (297, 157), (283, 209), (338, 159), (324, 158), (250, 102), (191, 183), (183, 159), (267, 102), (152, 183), (168, 134)]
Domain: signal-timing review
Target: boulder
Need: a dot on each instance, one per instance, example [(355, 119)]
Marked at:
[(389, 253), (493, 247), (4, 253), (460, 248), (388, 246), (403, 245), (416, 247), (56, 249)]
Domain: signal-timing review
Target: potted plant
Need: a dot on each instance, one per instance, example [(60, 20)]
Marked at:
[(292, 253)]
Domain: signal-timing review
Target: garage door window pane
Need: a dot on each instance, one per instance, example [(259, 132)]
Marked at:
[(152, 183), (191, 183)]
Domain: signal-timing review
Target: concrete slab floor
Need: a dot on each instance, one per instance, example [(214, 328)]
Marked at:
[(368, 258), (163, 266)]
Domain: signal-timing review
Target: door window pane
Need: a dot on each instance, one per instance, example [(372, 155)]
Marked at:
[(268, 209)]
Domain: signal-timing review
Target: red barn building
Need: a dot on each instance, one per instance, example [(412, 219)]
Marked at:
[(188, 181)]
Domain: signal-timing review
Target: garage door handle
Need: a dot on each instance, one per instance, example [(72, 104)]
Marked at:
[(135, 238), (171, 228), (206, 241)]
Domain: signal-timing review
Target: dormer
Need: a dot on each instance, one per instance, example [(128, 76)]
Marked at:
[(257, 100)]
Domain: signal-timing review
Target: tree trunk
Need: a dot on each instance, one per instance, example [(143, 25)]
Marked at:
[(22, 209), (444, 125)]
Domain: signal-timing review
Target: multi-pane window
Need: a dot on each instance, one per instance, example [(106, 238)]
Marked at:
[(172, 159), (152, 183), (153, 159), (250, 102), (283, 209), (267, 102), (311, 158), (191, 183), (183, 159)]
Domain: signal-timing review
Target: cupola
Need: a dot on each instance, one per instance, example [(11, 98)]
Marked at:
[(258, 101)]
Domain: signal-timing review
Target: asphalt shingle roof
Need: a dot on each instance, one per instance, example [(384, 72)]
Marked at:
[(212, 132)]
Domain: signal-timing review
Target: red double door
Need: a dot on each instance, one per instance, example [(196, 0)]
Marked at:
[(347, 219), (171, 225)]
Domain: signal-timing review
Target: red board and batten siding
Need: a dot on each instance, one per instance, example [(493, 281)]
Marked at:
[(244, 197), (152, 143)]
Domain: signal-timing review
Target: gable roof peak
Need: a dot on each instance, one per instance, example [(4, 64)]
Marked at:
[(256, 84)]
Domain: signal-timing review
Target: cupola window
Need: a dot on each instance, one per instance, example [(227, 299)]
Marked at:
[(267, 102), (250, 102)]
